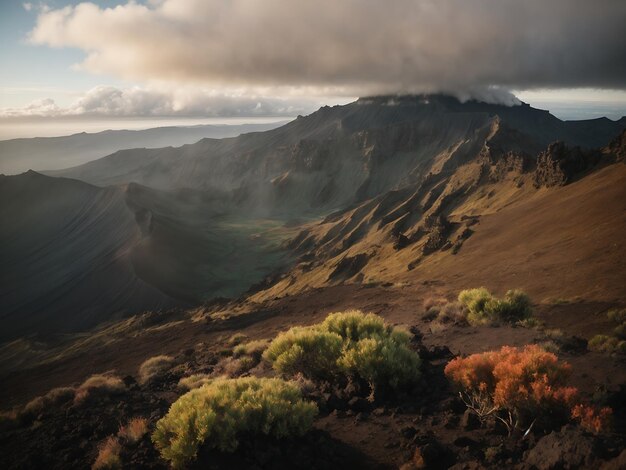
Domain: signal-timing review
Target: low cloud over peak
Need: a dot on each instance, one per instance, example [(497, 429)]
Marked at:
[(356, 47)]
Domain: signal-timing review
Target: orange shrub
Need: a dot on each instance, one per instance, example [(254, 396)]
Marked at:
[(591, 418), (524, 385)]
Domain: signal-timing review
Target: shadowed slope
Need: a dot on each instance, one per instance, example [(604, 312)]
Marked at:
[(64, 257)]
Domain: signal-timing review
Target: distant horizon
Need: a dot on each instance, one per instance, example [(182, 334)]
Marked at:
[(39, 126), (61, 127)]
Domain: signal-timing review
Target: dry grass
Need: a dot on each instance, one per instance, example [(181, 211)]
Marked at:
[(134, 430), (234, 367), (194, 381), (108, 455), (54, 397), (98, 385), (251, 348), (154, 367)]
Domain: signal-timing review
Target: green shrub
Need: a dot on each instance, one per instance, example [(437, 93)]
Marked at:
[(194, 381), (353, 325), (617, 315), (154, 367), (216, 415), (607, 344), (309, 351), (349, 344), (382, 362), (484, 309), (620, 331), (252, 348)]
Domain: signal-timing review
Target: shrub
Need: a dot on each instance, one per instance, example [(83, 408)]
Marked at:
[(108, 455), (233, 367), (382, 362), (309, 351), (617, 315), (475, 300), (607, 344), (620, 331), (54, 397), (154, 367), (349, 344), (251, 348), (591, 418), (236, 339), (517, 386), (218, 414), (194, 381), (98, 385), (354, 326), (484, 309), (134, 430)]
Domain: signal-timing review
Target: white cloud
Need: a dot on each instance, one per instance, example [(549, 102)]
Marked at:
[(183, 102), (350, 46)]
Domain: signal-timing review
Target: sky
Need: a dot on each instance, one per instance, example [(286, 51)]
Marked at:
[(121, 61)]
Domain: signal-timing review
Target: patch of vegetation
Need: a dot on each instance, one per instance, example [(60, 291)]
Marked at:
[(614, 342), (485, 309), (154, 368), (108, 455), (97, 386), (194, 381), (310, 351), (522, 388), (607, 344), (54, 397), (134, 430), (252, 348), (216, 415), (347, 344), (617, 315)]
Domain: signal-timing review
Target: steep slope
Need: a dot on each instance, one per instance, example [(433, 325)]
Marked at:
[(345, 154), (65, 256), (498, 220), (74, 255), (53, 153)]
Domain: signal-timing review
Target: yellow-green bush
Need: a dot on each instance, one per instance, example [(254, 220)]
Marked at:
[(483, 308), (382, 362), (217, 414), (616, 341), (154, 368), (617, 315), (349, 344), (607, 344), (252, 348), (194, 381), (354, 326), (311, 351)]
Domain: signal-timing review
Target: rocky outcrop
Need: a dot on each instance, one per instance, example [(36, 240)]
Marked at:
[(559, 164)]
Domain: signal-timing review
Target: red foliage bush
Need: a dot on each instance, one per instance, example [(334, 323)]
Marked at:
[(529, 385)]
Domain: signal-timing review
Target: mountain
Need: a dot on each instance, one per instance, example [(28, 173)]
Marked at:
[(53, 153), (381, 190), (75, 255), (345, 154)]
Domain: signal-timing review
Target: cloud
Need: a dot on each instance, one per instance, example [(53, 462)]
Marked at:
[(107, 101), (350, 47)]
